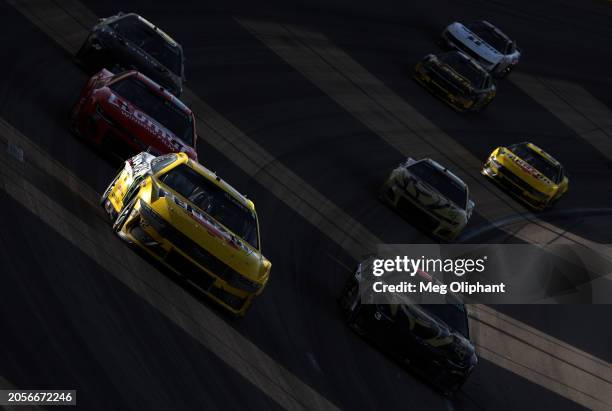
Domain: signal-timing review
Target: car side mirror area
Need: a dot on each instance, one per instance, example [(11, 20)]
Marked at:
[(470, 208)]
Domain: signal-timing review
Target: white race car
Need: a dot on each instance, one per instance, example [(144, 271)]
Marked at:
[(485, 43)]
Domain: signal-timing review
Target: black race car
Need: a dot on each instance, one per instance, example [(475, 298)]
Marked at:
[(457, 79), (432, 340), (128, 41)]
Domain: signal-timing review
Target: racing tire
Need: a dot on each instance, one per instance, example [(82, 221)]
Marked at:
[(85, 57), (505, 73), (123, 215), (106, 193), (355, 321), (482, 107), (452, 392)]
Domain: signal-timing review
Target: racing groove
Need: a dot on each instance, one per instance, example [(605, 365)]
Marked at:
[(297, 310)]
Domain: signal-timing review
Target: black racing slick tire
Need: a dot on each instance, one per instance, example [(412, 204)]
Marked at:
[(108, 190), (123, 215), (482, 107), (505, 73)]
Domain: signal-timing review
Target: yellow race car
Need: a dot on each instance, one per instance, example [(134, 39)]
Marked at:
[(192, 221), (529, 173)]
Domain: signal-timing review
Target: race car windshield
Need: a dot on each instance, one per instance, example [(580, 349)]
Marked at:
[(494, 39), (451, 314), (148, 40), (214, 201), (537, 161), (439, 180), (465, 68), (156, 106)]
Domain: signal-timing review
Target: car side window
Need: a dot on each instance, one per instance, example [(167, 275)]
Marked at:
[(161, 162)]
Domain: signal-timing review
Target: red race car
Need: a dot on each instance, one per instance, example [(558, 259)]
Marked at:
[(129, 113)]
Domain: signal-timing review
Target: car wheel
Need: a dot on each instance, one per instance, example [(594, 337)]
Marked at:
[(452, 388), (553, 202), (80, 53), (104, 196), (482, 106), (355, 322), (123, 215), (506, 72)]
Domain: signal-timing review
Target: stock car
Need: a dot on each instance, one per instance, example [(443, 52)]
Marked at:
[(128, 41), (429, 195), (129, 113), (528, 173), (433, 340), (484, 42), (457, 79), (193, 222)]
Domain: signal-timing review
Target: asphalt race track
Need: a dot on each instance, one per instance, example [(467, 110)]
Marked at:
[(79, 310)]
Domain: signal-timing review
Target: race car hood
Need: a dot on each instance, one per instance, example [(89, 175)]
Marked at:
[(457, 81), (130, 57), (207, 233), (439, 337), (147, 131), (431, 199), (475, 44), (525, 171)]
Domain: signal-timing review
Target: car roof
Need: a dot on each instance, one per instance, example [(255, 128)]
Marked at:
[(213, 177), (497, 30), (162, 33), (543, 153), (443, 169), (463, 56), (155, 87)]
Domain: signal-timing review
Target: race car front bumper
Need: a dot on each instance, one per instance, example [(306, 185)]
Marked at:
[(512, 184), (459, 103), (144, 232)]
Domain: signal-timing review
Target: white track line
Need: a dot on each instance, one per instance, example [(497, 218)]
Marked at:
[(574, 106)]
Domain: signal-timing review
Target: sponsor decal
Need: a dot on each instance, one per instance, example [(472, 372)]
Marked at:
[(526, 167), (140, 118), (139, 165), (211, 226)]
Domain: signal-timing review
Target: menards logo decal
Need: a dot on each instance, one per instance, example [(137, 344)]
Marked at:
[(146, 122), (527, 168), (211, 226)]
